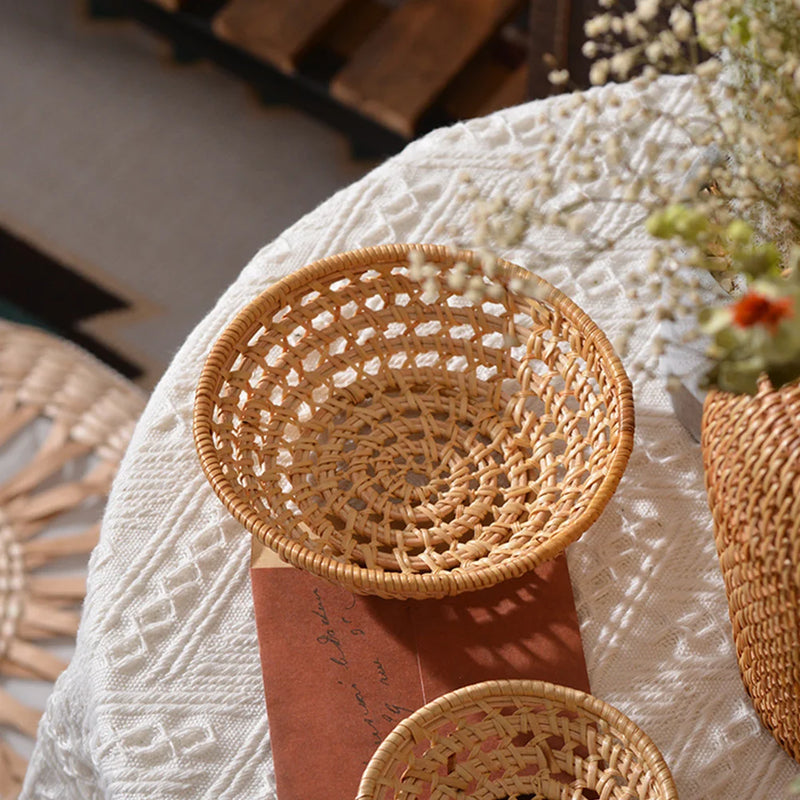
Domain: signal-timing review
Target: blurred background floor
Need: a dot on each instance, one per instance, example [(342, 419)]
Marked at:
[(150, 181)]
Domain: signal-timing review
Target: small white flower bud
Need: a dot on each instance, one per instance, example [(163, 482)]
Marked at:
[(708, 70), (597, 26), (647, 10), (495, 291), (456, 281), (598, 74), (681, 21), (590, 49)]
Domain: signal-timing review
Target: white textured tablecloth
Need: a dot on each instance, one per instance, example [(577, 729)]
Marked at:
[(164, 697)]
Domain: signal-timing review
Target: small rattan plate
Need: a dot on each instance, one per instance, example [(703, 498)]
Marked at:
[(409, 447), (502, 740)]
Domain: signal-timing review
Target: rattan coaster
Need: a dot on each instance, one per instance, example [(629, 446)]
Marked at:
[(412, 447), (81, 416)]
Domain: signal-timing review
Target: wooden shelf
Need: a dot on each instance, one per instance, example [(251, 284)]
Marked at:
[(404, 66), (384, 71), (277, 32)]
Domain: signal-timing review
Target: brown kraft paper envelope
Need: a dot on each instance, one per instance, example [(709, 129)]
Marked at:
[(340, 670)]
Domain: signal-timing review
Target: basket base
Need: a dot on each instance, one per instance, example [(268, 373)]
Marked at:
[(411, 475)]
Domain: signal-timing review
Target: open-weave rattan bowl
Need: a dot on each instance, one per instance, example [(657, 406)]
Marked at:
[(503, 740), (405, 447)]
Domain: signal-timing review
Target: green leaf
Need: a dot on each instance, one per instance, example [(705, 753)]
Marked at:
[(760, 260), (678, 220), (713, 319), (734, 378), (728, 338), (740, 28), (781, 374), (739, 232), (661, 224), (691, 224)]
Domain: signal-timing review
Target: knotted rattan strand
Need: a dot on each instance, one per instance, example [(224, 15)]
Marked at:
[(751, 453), (500, 740), (399, 446), (89, 413)]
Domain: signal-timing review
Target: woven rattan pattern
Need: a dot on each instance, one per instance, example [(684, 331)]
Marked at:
[(89, 414), (751, 453), (395, 444), (515, 739)]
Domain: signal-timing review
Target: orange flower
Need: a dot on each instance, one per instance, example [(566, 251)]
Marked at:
[(755, 309)]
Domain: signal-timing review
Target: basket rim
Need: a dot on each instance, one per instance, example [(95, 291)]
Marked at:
[(573, 699), (363, 579)]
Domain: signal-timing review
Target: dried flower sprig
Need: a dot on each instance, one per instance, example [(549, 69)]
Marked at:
[(744, 56)]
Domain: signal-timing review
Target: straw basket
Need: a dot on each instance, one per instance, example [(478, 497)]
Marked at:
[(503, 740), (403, 446), (751, 453)]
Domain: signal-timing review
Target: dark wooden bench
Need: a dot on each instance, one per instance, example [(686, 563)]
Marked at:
[(383, 71), (395, 63)]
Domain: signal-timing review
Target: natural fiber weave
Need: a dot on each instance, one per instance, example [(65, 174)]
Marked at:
[(405, 446), (751, 453), (517, 740), (88, 414)]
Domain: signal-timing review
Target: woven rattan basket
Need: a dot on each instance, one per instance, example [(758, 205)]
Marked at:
[(751, 453), (509, 740), (407, 447)]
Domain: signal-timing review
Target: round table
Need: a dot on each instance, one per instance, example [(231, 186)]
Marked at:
[(164, 697)]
